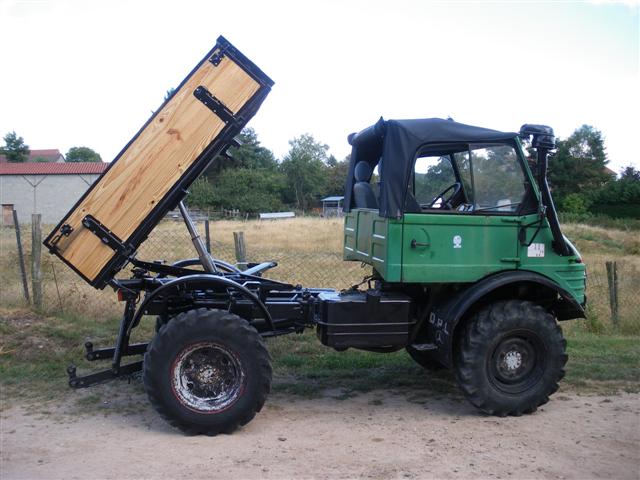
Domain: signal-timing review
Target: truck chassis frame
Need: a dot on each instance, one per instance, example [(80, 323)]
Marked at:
[(275, 308)]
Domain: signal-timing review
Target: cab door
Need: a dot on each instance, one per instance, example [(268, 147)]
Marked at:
[(467, 224), (454, 248)]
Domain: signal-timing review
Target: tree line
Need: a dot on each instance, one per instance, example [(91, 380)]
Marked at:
[(582, 183), (17, 151), (253, 180), (250, 178)]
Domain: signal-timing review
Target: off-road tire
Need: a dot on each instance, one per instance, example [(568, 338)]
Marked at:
[(510, 357), (424, 359), (207, 372)]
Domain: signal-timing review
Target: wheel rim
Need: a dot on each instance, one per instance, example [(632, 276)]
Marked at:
[(517, 361), (207, 377)]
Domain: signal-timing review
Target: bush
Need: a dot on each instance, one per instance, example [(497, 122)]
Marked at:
[(575, 203), (249, 190), (201, 193), (617, 210)]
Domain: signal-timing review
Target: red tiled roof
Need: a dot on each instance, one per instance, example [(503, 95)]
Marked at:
[(46, 168)]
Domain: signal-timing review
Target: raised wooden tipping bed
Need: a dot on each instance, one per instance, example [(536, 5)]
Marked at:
[(151, 174)]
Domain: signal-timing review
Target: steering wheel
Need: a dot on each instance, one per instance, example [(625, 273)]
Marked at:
[(456, 187)]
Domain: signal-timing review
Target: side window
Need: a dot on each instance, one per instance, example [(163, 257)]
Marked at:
[(432, 175), (492, 177)]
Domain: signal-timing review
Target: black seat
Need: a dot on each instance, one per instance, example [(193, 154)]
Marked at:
[(363, 195)]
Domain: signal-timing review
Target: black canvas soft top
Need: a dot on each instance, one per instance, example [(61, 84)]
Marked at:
[(393, 145)]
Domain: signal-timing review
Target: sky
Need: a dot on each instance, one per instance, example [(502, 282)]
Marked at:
[(89, 73)]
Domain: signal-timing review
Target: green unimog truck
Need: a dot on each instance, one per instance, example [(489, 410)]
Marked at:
[(470, 269)]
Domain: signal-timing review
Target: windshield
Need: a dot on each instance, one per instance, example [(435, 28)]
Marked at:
[(492, 178), (472, 178)]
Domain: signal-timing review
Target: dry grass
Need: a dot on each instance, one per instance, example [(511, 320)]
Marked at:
[(597, 240), (309, 252), (306, 234)]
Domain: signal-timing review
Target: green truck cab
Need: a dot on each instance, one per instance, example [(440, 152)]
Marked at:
[(469, 209), (462, 221)]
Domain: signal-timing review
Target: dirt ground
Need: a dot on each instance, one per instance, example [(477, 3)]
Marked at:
[(374, 435)]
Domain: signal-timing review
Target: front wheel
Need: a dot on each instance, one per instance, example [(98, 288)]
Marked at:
[(207, 371), (510, 357)]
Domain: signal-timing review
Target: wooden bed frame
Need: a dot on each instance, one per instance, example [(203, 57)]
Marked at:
[(150, 175)]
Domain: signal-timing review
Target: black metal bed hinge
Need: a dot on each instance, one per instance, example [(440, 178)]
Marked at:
[(217, 57), (107, 237), (215, 105)]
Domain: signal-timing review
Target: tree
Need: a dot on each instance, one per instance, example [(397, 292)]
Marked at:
[(201, 194), (249, 190), (630, 174), (576, 203), (619, 197), (305, 170), (579, 164), (14, 148), (244, 189), (336, 176), (82, 154), (250, 154)]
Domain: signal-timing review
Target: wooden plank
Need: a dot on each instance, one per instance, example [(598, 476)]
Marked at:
[(153, 163)]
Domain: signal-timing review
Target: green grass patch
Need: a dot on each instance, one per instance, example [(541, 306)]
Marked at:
[(35, 350), (603, 362)]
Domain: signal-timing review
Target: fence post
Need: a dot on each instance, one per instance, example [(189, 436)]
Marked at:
[(241, 251), (23, 270), (612, 280), (207, 236), (36, 251)]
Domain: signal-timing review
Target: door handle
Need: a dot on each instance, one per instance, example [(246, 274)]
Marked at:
[(415, 243)]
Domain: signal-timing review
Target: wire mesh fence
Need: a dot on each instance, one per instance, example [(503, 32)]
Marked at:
[(313, 263), (64, 291)]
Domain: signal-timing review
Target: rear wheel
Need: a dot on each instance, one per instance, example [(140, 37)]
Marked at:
[(510, 358), (207, 371)]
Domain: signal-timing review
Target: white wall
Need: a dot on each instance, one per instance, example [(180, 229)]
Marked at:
[(54, 194)]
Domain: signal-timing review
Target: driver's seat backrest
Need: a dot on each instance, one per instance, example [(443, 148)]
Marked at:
[(363, 195)]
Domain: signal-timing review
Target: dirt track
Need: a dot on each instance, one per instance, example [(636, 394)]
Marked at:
[(377, 435)]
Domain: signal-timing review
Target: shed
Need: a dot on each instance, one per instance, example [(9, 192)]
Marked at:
[(48, 188), (332, 206)]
